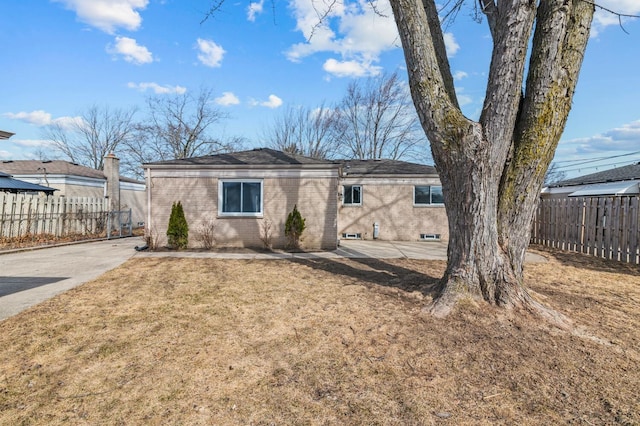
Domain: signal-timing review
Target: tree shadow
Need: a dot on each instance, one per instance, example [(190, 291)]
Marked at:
[(10, 285), (376, 272)]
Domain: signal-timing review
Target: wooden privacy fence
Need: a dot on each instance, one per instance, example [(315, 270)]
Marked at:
[(602, 226), (29, 215)]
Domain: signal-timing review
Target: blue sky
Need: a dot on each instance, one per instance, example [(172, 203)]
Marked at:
[(62, 56)]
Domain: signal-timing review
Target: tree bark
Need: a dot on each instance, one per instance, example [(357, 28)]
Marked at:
[(492, 170), (560, 40)]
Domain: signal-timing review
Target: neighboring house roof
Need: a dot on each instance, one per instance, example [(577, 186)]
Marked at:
[(254, 157), (610, 188), (618, 181), (384, 168), (629, 172), (54, 167), (5, 135), (9, 184)]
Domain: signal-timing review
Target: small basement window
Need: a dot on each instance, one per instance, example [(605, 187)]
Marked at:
[(430, 237), (355, 236)]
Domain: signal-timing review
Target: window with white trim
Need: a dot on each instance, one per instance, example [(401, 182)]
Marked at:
[(240, 198), (352, 195), (426, 195)]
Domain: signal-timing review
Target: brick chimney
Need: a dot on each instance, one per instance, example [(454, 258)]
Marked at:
[(112, 173)]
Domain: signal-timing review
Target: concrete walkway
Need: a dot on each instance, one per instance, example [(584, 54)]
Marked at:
[(30, 277), (376, 249), (348, 248)]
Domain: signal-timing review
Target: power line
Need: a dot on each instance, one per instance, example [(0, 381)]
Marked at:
[(591, 160), (615, 164)]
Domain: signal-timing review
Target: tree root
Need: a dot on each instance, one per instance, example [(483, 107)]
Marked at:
[(447, 301)]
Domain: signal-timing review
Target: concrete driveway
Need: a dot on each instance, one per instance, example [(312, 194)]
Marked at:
[(30, 277)]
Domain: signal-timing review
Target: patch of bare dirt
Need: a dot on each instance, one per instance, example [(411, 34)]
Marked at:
[(307, 341)]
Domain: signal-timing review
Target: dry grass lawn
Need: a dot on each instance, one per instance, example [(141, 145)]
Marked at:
[(203, 341)]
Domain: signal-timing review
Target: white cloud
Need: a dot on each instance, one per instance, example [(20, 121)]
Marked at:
[(359, 32), (131, 51), (68, 122), (350, 68), (463, 99), (603, 18), (254, 9), (108, 15), (227, 98), (156, 88), (459, 75), (38, 117), (624, 138), (273, 102), (6, 155), (34, 143), (451, 44), (210, 53), (42, 118)]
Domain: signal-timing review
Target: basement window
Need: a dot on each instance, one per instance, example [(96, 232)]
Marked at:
[(355, 236), (430, 237)]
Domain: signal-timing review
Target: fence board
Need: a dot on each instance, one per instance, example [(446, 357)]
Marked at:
[(634, 215), (616, 249), (23, 215), (624, 224), (601, 226)]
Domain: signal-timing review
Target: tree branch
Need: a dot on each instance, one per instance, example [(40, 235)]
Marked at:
[(491, 12), (613, 12), (560, 39)]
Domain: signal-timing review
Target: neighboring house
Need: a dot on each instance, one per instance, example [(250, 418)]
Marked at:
[(618, 181), (15, 186), (391, 200), (5, 135), (241, 191), (73, 180)]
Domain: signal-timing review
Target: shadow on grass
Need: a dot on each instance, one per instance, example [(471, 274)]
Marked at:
[(376, 272), (587, 261)]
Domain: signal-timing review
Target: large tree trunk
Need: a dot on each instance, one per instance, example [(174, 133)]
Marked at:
[(492, 170), (478, 267)]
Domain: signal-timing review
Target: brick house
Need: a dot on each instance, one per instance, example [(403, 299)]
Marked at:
[(241, 191), (391, 200)]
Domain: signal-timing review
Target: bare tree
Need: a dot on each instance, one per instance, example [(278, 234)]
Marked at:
[(304, 131), (492, 170), (177, 126), (98, 132), (378, 120), (554, 174)]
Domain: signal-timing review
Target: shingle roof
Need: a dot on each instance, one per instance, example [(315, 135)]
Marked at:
[(5, 135), (385, 167), (254, 157), (629, 172), (54, 167)]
